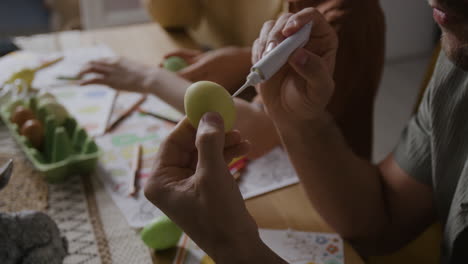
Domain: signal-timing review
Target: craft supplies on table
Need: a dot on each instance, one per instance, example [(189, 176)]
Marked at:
[(96, 106)]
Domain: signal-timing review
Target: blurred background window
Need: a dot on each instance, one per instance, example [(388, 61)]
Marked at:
[(106, 13), (117, 5)]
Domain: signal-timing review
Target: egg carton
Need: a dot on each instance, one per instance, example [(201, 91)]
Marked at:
[(66, 150)]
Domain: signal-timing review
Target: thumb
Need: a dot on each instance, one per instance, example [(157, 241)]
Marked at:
[(210, 142)]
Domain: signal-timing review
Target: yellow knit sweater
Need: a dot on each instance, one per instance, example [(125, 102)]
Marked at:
[(216, 23)]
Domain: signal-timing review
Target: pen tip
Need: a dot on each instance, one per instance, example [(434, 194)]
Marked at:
[(240, 90)]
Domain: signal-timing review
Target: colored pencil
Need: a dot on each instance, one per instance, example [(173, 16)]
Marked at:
[(137, 153), (141, 111), (125, 114)]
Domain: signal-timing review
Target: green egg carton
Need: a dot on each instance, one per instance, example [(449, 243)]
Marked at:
[(66, 149)]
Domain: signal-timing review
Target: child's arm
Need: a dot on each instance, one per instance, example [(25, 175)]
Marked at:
[(226, 66), (252, 120), (126, 75)]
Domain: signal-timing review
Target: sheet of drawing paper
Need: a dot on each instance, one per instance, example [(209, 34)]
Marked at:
[(155, 105), (293, 246), (270, 172), (115, 172), (305, 247), (265, 174), (90, 105), (73, 62), (21, 60)]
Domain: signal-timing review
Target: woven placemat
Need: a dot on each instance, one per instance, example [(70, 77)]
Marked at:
[(26, 190), (94, 227)]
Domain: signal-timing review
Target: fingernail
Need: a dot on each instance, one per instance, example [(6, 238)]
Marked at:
[(300, 58), (212, 118), (291, 23), (270, 46)]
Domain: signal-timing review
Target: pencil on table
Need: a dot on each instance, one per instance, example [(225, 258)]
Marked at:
[(137, 153), (114, 100), (125, 114), (157, 116)]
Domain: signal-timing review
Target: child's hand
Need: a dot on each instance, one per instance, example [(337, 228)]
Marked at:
[(119, 73), (302, 89), (189, 55), (226, 66)]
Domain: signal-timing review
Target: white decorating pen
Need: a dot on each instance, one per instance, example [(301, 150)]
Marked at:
[(270, 64)]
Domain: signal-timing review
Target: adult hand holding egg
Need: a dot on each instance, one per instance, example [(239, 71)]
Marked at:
[(226, 66), (191, 184)]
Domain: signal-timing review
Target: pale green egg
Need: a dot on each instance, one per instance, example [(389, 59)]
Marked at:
[(174, 64), (54, 108), (204, 96)]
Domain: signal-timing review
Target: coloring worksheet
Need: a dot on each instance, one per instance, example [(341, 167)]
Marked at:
[(20, 60), (293, 246), (74, 60), (115, 164), (116, 174), (270, 172), (90, 105), (124, 102), (155, 105)]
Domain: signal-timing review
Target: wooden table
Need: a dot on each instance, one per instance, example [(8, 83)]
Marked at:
[(285, 208)]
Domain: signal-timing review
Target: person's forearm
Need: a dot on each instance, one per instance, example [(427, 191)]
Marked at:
[(256, 127), (242, 68), (345, 189), (166, 85), (227, 66), (252, 121)]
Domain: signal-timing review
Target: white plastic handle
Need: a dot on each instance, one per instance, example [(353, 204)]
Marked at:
[(276, 58)]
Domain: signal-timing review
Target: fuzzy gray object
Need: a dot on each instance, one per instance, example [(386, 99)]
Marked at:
[(30, 237)]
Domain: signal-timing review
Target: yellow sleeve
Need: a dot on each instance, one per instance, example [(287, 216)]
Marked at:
[(174, 13)]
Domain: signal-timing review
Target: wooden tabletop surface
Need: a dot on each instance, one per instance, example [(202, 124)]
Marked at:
[(147, 43)]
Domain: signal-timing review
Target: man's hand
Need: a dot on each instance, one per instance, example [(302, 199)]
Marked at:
[(301, 90), (226, 66), (119, 73), (191, 183)]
